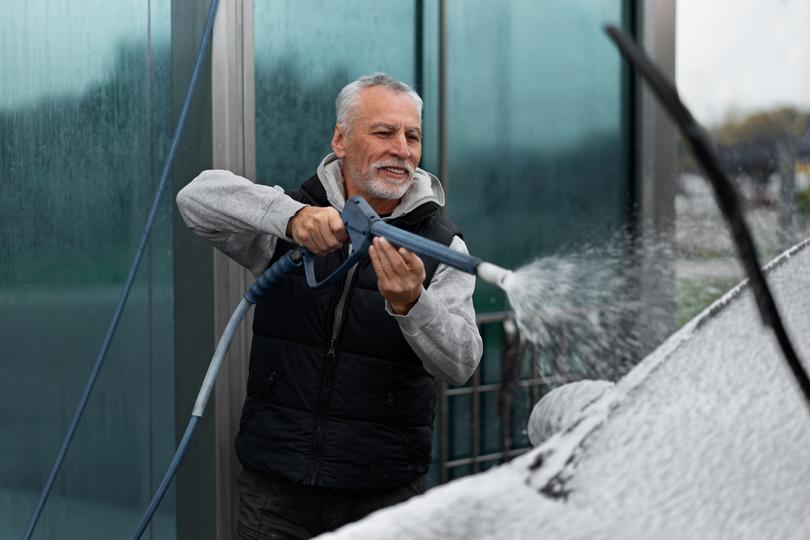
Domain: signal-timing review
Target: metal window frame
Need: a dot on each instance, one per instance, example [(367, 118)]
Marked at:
[(234, 149), (442, 97), (656, 174)]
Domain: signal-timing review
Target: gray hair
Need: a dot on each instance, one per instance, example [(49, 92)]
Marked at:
[(348, 98)]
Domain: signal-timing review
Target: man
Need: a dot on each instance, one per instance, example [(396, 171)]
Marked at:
[(341, 396)]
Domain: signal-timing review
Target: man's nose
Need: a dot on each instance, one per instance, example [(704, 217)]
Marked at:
[(399, 147)]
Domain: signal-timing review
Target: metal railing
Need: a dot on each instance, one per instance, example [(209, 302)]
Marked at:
[(513, 358), (525, 373)]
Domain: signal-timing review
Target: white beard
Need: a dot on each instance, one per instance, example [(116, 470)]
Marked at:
[(373, 186)]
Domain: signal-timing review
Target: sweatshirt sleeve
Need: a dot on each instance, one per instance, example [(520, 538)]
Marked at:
[(441, 326), (240, 218)]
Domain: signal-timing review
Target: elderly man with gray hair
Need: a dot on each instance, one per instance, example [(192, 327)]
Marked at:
[(341, 394)]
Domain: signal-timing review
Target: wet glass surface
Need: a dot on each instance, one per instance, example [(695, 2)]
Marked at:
[(460, 428), (537, 149), (84, 123), (305, 53)]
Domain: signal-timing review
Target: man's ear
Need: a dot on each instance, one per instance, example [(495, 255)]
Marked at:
[(339, 143)]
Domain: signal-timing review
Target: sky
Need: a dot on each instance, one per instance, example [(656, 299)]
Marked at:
[(737, 56)]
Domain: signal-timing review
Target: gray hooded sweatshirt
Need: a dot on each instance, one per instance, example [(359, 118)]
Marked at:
[(243, 220)]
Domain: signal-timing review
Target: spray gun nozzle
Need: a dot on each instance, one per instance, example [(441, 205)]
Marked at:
[(492, 273)]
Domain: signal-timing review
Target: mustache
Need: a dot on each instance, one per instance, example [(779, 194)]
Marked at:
[(395, 163)]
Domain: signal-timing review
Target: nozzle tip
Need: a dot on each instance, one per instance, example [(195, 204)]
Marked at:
[(492, 273)]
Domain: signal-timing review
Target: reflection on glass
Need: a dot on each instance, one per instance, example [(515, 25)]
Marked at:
[(460, 444), (537, 152), (493, 337), (84, 112), (490, 423), (305, 53)]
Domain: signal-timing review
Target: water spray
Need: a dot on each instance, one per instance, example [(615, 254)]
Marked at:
[(362, 225)]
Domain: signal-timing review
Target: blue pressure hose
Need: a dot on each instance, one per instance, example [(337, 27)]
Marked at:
[(119, 309), (257, 290)]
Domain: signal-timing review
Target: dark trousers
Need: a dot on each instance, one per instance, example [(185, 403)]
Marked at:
[(271, 509)]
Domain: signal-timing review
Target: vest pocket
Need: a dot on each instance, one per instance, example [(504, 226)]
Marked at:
[(395, 420), (255, 404)]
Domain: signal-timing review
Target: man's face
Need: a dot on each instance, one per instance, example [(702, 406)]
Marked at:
[(383, 146)]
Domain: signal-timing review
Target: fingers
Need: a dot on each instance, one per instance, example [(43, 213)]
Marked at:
[(318, 229), (336, 227), (374, 255), (380, 268), (395, 261), (400, 274), (390, 262)]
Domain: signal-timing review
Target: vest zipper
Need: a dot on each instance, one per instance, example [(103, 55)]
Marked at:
[(330, 366)]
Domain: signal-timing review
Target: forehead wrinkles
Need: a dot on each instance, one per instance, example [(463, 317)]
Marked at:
[(395, 117), (380, 105), (408, 128)]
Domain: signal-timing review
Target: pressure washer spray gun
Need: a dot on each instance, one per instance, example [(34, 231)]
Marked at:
[(362, 225)]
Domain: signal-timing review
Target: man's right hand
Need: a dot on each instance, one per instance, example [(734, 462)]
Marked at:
[(319, 229)]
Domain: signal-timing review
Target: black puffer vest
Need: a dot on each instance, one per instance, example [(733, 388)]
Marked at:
[(336, 397)]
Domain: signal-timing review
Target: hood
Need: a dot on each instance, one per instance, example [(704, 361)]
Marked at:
[(425, 188)]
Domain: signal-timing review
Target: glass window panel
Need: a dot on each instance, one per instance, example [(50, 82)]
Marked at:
[(521, 408), (490, 423), (460, 413), (459, 471), (537, 153), (492, 335), (305, 53), (84, 113), (526, 363)]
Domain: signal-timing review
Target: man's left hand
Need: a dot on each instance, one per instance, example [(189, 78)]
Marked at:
[(400, 274)]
